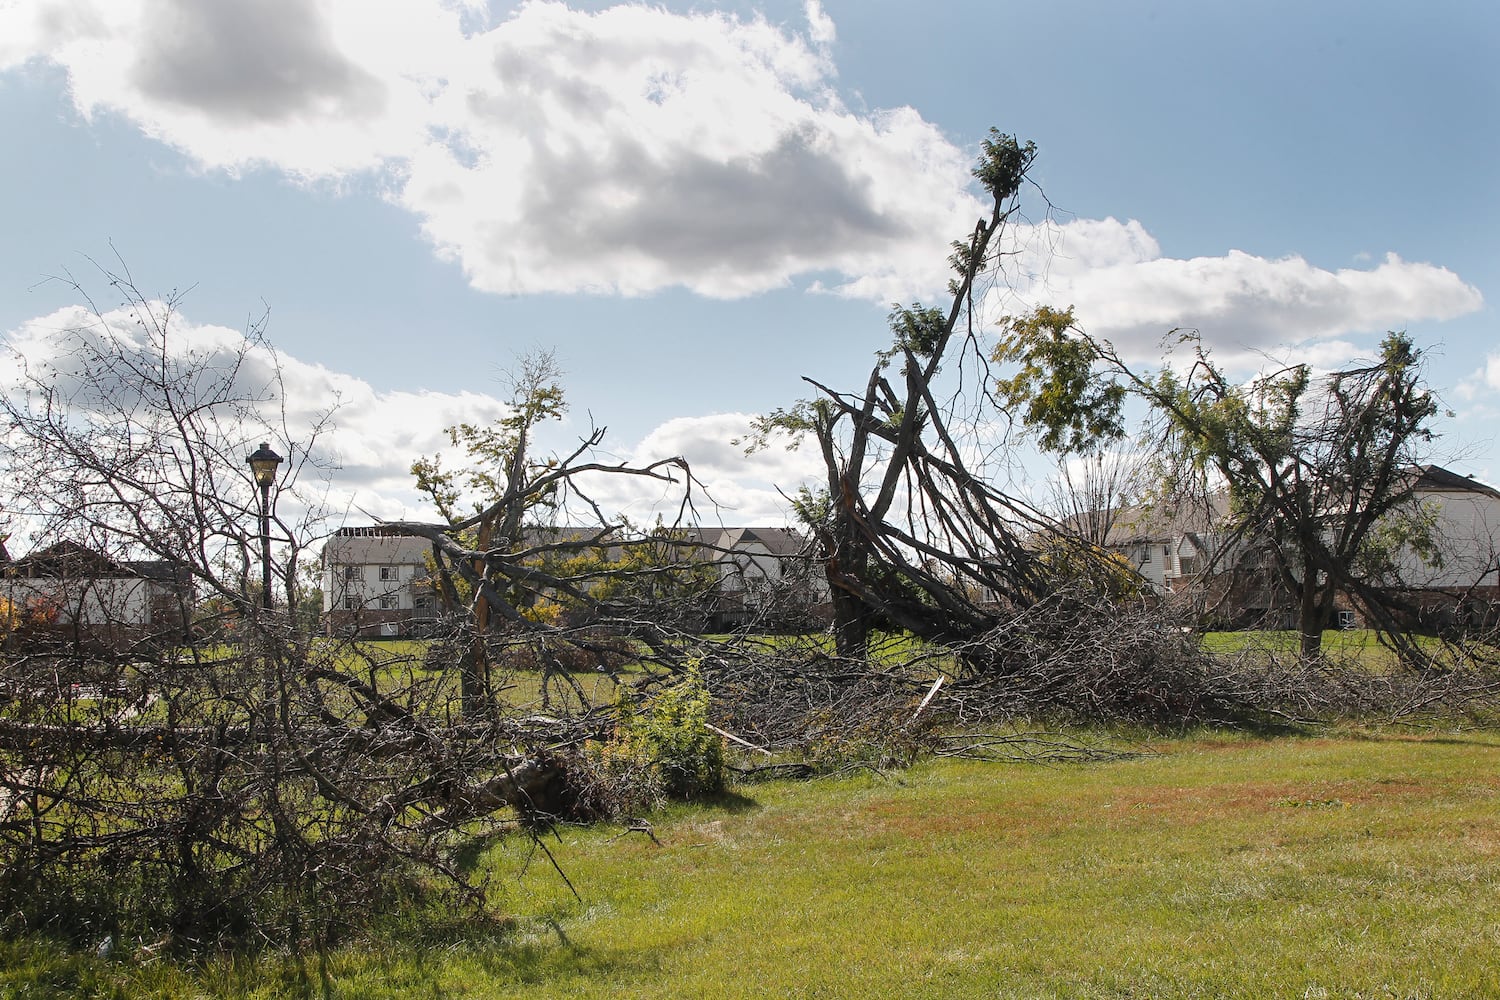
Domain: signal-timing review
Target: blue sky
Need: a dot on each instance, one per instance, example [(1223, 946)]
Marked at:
[(696, 205)]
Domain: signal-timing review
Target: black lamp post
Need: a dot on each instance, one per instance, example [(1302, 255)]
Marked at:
[(263, 462)]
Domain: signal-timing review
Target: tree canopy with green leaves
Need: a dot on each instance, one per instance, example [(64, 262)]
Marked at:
[(1316, 467)]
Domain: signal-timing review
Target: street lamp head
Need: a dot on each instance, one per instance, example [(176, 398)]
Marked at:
[(263, 462)]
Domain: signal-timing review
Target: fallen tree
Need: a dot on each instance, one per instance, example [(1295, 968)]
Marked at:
[(215, 770)]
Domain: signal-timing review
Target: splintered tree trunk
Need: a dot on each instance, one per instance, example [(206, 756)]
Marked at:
[(474, 670), (851, 615), (847, 556)]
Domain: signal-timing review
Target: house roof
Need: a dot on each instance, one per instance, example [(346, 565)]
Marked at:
[(377, 543), (1165, 521), (374, 544), (781, 542), (1435, 478), (78, 561)]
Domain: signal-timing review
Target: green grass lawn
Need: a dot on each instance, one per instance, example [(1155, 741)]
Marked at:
[(1357, 643), (1366, 865), (1344, 645)]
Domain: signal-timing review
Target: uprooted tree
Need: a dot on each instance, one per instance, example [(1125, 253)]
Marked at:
[(913, 530)]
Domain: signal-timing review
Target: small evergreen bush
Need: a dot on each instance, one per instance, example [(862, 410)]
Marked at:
[(661, 753)]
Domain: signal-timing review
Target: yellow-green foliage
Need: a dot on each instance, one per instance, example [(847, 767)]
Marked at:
[(1102, 570), (666, 748)]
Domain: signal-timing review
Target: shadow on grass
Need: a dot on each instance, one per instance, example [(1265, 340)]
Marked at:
[(1487, 738), (730, 801), (470, 855), (536, 952), (537, 963), (1269, 727)]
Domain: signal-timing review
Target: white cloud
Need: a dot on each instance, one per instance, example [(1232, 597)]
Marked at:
[(316, 89), (737, 488), (371, 437), (622, 151), (820, 26), (1244, 306), (368, 443), (634, 149), (697, 150), (1482, 384)]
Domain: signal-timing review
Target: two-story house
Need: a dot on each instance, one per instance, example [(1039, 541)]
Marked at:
[(766, 578), (1452, 573), (376, 582)]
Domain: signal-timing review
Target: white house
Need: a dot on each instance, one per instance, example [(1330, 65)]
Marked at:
[(376, 581), (765, 577), (70, 593), (1169, 548), (1465, 521), (1172, 549)]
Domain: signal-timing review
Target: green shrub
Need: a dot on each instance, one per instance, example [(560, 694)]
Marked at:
[(664, 751)]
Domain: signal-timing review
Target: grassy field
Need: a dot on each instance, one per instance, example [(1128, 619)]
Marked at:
[(1362, 865), (1341, 645)]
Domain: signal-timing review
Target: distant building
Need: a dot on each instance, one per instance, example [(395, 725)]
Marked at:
[(1170, 548), (1455, 581), (1186, 553), (766, 579), (377, 582), (69, 594)]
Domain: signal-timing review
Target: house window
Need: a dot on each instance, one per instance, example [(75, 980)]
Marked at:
[(351, 574), (387, 601), (1147, 557), (390, 574), (1347, 620), (351, 602)]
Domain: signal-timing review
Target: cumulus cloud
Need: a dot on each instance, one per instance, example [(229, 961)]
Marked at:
[(696, 150), (367, 439), (315, 89), (732, 487), (1245, 307), (622, 151), (632, 149), (270, 61)]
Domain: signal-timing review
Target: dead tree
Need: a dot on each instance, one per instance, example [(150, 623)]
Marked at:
[(247, 780), (911, 532)]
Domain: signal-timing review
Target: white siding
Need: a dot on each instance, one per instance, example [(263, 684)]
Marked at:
[(1468, 527), (107, 601)]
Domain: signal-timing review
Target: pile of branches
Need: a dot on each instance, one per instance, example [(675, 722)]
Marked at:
[(279, 792), (1067, 661)]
